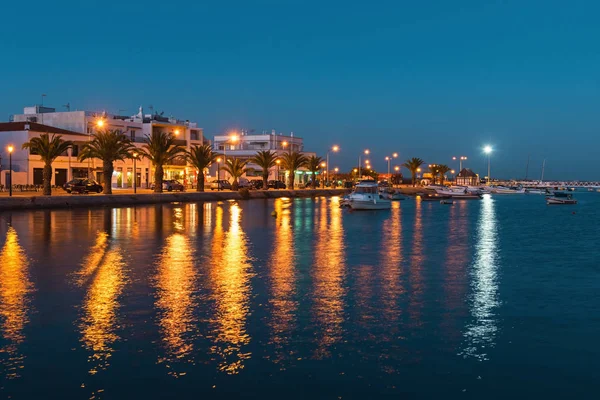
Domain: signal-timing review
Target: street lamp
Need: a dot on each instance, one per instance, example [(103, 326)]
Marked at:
[(460, 161), (389, 160), (10, 149), (367, 152), (323, 165), (233, 138), (135, 156), (488, 150), (335, 149), (278, 161), (219, 173)]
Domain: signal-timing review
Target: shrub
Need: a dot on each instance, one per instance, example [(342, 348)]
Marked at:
[(244, 193)]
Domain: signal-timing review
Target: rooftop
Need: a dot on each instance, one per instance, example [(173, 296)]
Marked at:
[(34, 126)]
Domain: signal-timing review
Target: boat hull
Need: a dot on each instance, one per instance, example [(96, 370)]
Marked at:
[(554, 201), (370, 205)]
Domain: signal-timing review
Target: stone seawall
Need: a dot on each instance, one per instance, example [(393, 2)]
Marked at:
[(118, 200)]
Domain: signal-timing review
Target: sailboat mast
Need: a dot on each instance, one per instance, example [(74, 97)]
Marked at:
[(543, 166), (527, 168)]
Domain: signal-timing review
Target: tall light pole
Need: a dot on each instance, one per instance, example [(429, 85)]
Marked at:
[(323, 165), (335, 149), (135, 156), (488, 150), (389, 160), (460, 161), (335, 170), (278, 161), (219, 173), (359, 161), (232, 139), (10, 151)]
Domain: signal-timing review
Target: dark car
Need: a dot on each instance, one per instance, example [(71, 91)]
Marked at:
[(256, 184), (172, 184), (221, 184), (81, 185), (276, 185)]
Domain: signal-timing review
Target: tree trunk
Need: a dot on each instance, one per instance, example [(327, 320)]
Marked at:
[(265, 180), (235, 185), (441, 179), (200, 184), (107, 173), (47, 179), (158, 179), (291, 181), (314, 180)]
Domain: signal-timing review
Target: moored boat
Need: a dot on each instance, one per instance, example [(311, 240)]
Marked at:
[(366, 197), (507, 190), (560, 198)]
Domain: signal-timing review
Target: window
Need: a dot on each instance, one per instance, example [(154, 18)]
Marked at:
[(132, 135), (194, 135)]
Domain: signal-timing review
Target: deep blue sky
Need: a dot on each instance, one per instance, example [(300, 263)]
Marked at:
[(430, 79)]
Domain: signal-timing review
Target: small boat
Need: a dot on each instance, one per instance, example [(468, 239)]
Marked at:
[(560, 198), (536, 191), (394, 196), (433, 197), (366, 196), (507, 190), (447, 201), (460, 192)]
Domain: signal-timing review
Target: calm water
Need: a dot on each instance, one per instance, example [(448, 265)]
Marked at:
[(496, 298)]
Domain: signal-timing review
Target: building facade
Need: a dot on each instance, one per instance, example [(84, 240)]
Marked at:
[(245, 145), (83, 124)]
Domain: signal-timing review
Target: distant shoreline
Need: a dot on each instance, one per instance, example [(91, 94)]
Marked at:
[(119, 200)]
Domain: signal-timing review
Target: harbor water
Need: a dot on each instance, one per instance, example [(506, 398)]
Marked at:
[(497, 298)]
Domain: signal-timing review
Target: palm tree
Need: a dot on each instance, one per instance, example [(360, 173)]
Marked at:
[(266, 160), (314, 165), (235, 167), (201, 157), (48, 148), (109, 146), (160, 149), (413, 166), (434, 170), (291, 161), (442, 170)]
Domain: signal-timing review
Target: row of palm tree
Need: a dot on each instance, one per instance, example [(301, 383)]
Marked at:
[(161, 149)]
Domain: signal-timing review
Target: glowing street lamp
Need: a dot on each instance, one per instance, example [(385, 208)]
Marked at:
[(488, 150), (389, 160), (219, 173), (278, 161), (366, 152), (100, 123), (335, 149), (135, 156), (10, 149)]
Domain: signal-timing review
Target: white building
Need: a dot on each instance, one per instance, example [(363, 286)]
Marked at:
[(245, 145), (84, 124)]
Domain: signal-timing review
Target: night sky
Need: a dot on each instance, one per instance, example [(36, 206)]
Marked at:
[(429, 79)]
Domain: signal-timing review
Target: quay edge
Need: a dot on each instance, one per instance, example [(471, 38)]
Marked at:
[(119, 200)]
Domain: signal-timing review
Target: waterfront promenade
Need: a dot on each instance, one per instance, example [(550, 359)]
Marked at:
[(126, 197)]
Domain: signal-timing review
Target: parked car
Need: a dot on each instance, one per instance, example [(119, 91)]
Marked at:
[(82, 185), (170, 185), (256, 184), (276, 185), (221, 184)]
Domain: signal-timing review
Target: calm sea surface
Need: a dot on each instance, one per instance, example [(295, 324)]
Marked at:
[(496, 298)]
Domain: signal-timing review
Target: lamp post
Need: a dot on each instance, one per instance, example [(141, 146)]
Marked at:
[(336, 169), (335, 149), (277, 162), (389, 160), (232, 139), (460, 161), (135, 156), (488, 150), (10, 151), (219, 173), (323, 165), (359, 161)]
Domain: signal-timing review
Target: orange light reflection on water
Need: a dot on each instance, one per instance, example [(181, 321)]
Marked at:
[(328, 275), (282, 269), (99, 321), (230, 277), (15, 288)]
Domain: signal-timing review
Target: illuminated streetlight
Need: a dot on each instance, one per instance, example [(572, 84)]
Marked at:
[(488, 150), (10, 149), (176, 132), (367, 152), (335, 149), (135, 156), (100, 123), (396, 168)]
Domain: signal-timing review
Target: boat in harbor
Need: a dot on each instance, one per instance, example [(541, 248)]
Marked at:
[(433, 197), (507, 190), (560, 198), (536, 191), (459, 192), (366, 196)]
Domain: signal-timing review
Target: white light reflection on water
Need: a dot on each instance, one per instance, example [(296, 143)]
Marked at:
[(15, 288), (481, 333)]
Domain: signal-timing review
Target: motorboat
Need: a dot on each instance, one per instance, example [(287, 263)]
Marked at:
[(507, 190), (366, 196), (561, 198), (459, 192), (536, 191), (447, 201), (433, 197)]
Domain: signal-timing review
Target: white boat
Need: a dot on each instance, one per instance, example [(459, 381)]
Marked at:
[(535, 191), (507, 190), (459, 192), (366, 197), (561, 198)]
